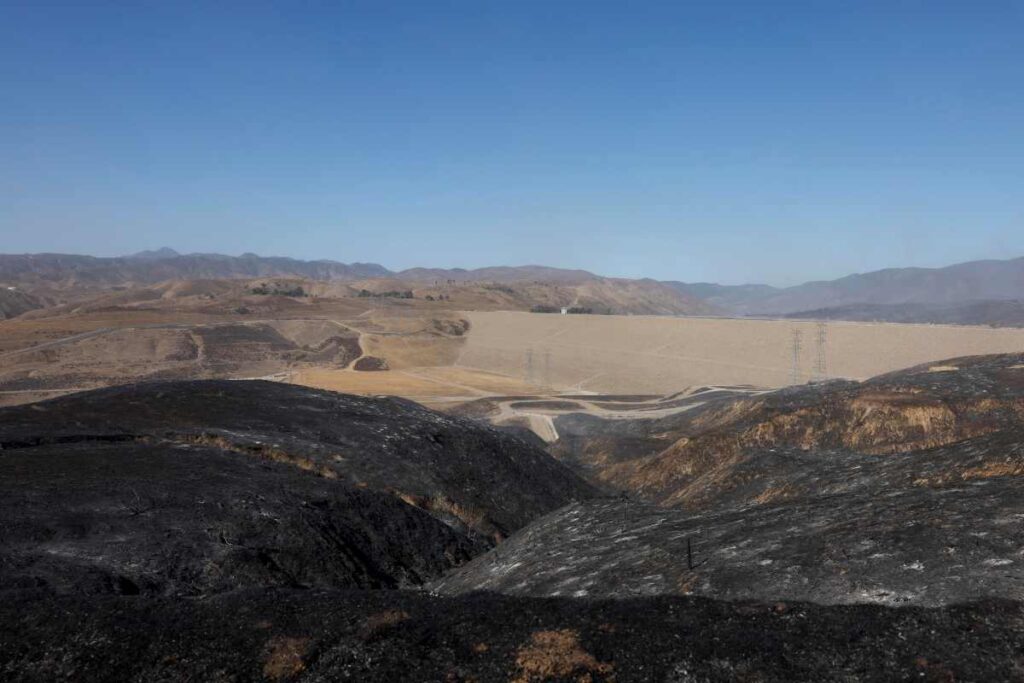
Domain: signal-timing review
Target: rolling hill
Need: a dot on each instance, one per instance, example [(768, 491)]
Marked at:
[(14, 302)]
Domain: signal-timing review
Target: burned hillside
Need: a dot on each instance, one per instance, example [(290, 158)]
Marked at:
[(190, 487)]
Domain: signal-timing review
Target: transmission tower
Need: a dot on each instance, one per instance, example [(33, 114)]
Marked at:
[(797, 344), (529, 364), (821, 366)]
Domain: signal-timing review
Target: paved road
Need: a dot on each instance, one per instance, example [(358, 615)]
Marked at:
[(542, 424)]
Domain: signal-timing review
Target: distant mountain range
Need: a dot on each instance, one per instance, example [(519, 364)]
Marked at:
[(973, 282), (498, 274), (148, 267), (1008, 313), (724, 298)]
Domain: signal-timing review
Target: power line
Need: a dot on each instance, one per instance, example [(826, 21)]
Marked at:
[(797, 344), (821, 365)]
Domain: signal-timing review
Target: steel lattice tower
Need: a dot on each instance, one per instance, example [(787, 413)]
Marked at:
[(797, 344), (821, 365)]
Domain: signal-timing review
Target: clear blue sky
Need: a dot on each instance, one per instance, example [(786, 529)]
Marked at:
[(723, 141)]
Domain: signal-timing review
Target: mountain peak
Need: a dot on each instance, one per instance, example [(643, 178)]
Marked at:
[(155, 254)]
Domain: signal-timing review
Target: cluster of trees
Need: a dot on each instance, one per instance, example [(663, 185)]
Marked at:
[(439, 297), (407, 294), (499, 288), (264, 290)]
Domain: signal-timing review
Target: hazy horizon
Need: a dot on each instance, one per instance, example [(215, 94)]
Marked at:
[(732, 143), (181, 252)]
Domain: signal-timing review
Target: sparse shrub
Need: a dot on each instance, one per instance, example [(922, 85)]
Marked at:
[(407, 294), (264, 290), (499, 288)]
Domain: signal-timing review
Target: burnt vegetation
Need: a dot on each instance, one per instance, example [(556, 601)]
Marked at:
[(179, 530)]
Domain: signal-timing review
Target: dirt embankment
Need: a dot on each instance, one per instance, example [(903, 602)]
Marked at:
[(662, 355)]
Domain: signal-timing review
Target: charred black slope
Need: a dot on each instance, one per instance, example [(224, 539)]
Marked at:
[(483, 481), (903, 489), (215, 501), (400, 636), (901, 545), (198, 487), (144, 518)]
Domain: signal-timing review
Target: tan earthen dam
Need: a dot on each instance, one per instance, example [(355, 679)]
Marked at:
[(660, 355)]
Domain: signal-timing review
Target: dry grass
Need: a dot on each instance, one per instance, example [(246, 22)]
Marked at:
[(687, 583), (412, 350), (472, 517), (557, 655), (994, 469), (984, 471), (775, 493), (285, 657), (261, 451), (376, 624)]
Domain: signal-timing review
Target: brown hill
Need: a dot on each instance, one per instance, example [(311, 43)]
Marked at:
[(14, 302), (78, 280)]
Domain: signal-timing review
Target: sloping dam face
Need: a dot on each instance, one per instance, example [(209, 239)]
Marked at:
[(662, 355)]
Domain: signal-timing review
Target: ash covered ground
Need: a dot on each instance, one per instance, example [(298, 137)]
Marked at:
[(223, 530)]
